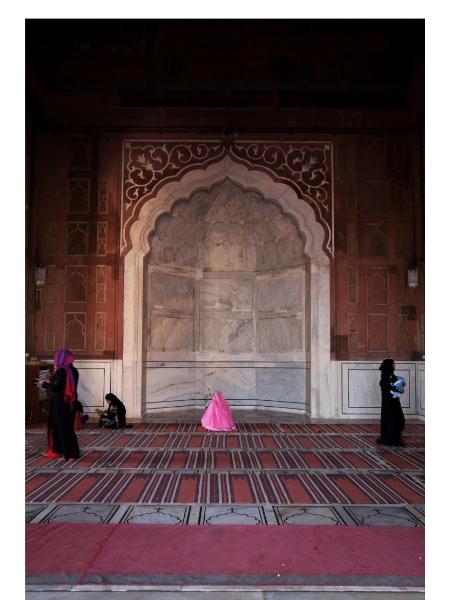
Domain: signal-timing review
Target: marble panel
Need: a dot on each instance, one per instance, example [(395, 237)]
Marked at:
[(171, 334), (171, 292), (234, 382), (231, 336), (169, 386), (280, 334), (94, 383), (421, 389), (227, 294), (361, 393), (279, 292), (286, 385)]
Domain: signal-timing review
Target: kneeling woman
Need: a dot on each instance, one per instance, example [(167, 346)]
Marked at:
[(114, 416), (62, 386)]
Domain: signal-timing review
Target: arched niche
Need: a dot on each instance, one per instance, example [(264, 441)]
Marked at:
[(143, 370)]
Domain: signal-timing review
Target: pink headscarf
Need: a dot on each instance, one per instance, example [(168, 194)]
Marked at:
[(63, 359)]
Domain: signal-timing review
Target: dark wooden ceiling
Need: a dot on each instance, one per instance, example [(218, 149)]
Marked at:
[(215, 63)]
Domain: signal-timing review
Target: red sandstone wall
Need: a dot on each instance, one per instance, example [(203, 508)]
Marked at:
[(377, 235), (74, 231), (75, 217)]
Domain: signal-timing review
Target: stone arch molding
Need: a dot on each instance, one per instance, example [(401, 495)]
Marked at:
[(134, 263)]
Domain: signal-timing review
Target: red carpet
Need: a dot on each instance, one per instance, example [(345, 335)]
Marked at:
[(84, 553)]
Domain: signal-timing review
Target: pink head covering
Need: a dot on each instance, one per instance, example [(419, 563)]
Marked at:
[(63, 359)]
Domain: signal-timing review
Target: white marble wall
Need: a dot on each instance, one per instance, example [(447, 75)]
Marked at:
[(95, 381), (184, 385), (357, 392), (354, 386), (420, 403)]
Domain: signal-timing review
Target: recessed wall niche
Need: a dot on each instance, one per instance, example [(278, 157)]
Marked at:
[(226, 274)]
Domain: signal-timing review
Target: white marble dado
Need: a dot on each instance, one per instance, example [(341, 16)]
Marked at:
[(94, 383), (171, 387), (286, 387), (421, 389), (358, 393)]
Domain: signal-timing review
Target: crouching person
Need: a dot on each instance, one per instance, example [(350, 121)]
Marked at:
[(114, 416)]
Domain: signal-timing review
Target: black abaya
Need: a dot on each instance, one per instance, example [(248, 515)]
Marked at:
[(392, 419), (62, 437)]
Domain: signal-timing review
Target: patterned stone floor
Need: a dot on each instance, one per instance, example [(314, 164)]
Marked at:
[(402, 463), (219, 514)]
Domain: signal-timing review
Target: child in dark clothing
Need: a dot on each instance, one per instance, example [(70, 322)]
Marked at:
[(114, 416)]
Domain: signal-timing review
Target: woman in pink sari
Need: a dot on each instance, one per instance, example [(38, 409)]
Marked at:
[(217, 417)]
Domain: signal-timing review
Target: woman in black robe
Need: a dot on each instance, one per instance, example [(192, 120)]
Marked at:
[(114, 416), (392, 419), (62, 386)]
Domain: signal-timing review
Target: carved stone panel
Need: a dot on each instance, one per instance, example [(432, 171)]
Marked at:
[(346, 192), (403, 240), (374, 157), (103, 197), (75, 330), (352, 324), (102, 238), (352, 239), (50, 331), (377, 332), (80, 152), (76, 284), (100, 284), (376, 240), (52, 238), (375, 196), (400, 195), (377, 285), (77, 238), (51, 285), (100, 330), (352, 285), (79, 190)]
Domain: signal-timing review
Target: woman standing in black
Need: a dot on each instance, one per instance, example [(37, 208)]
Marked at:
[(62, 385), (392, 419)]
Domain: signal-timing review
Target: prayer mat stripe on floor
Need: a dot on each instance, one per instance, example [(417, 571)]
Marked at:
[(231, 441), (169, 487), (232, 459), (287, 428)]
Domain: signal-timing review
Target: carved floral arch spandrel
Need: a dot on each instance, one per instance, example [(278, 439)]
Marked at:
[(305, 167)]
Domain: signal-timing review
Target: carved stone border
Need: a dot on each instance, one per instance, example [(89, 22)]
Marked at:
[(307, 167)]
